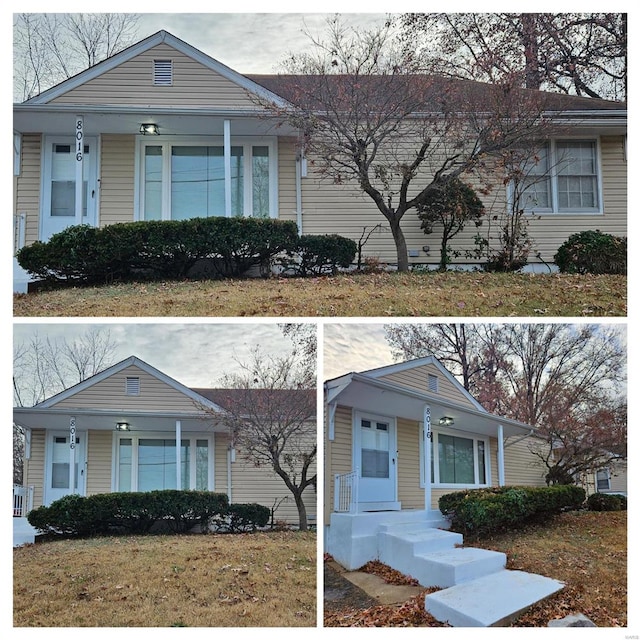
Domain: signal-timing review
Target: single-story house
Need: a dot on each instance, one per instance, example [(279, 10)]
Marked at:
[(163, 131), (133, 428), (396, 439)]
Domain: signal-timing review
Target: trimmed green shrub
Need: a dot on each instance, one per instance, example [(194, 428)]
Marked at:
[(157, 249), (131, 512), (315, 255), (481, 511), (606, 502), (244, 517), (593, 252)]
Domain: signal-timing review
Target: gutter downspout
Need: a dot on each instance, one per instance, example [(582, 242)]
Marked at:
[(230, 460), (299, 193)]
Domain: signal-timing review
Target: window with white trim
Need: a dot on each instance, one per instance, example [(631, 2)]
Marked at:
[(185, 178), (603, 480), (457, 461), (148, 463), (564, 177)]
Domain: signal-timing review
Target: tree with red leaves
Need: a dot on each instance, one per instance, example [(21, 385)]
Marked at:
[(569, 381), (368, 116)]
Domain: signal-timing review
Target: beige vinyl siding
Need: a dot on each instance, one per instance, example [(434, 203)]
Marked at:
[(338, 455), (410, 493), (521, 467), (287, 181), (618, 477), (131, 83), (117, 170), (27, 184), (155, 395), (99, 454), (417, 378), (34, 471), (220, 478), (343, 209)]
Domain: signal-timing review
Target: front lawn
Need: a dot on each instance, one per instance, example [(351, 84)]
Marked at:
[(243, 580), (378, 295), (586, 550)]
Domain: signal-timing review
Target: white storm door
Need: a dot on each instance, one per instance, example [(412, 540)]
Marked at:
[(59, 185), (376, 457), (57, 466)]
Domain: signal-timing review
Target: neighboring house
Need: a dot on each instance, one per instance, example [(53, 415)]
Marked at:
[(163, 131), (609, 479), (127, 421)]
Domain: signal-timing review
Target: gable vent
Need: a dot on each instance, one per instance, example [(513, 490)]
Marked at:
[(132, 386), (433, 383), (163, 73)]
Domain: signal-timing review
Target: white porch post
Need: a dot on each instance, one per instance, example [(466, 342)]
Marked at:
[(227, 168), (426, 432), (500, 456), (72, 455), (79, 152), (178, 465)]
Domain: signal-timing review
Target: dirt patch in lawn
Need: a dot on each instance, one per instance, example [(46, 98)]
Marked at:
[(244, 580), (379, 294)]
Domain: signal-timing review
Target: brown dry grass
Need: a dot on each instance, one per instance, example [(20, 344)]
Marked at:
[(245, 580), (587, 551), (379, 295)]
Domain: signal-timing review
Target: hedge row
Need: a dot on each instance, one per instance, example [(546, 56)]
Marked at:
[(482, 511), (174, 248), (139, 512)]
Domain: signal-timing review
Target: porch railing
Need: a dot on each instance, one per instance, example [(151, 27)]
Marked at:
[(345, 497), (19, 231), (22, 500)]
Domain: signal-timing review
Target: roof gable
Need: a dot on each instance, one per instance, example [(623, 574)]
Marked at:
[(131, 367), (100, 83)]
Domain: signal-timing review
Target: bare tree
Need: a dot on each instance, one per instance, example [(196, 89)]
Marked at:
[(579, 53), (271, 416), (43, 367), (51, 47), (567, 380), (369, 117)]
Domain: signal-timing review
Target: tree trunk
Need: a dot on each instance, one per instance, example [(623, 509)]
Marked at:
[(401, 245), (302, 512)]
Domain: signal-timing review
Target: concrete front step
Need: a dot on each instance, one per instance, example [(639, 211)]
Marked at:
[(398, 548), (455, 566), (491, 601)]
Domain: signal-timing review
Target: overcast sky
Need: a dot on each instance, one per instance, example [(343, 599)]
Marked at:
[(196, 353)]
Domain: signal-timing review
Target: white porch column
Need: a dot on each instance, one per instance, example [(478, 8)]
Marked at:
[(178, 465), (72, 454), (79, 152), (227, 168), (426, 434), (500, 456)]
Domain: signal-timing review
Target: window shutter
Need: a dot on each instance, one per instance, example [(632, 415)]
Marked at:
[(132, 386), (163, 73), (433, 383)]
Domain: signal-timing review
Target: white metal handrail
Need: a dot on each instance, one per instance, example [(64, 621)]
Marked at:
[(22, 500), (345, 498)]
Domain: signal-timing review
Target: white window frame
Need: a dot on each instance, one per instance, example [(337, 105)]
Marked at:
[(553, 175), (161, 435), (166, 143), (608, 472), (426, 467)]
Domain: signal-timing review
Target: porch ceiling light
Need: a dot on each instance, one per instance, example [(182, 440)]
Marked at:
[(122, 426), (149, 129), (446, 421)]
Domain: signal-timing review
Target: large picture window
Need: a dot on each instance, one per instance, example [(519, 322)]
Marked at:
[(457, 461), (564, 178), (185, 178), (149, 463)]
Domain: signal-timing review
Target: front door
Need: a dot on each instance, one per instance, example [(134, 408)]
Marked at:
[(376, 457), (59, 185), (57, 478)]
